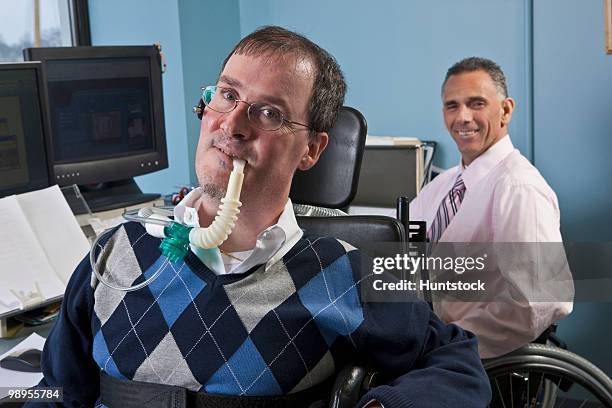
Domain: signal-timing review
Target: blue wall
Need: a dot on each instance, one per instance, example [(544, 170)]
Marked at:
[(209, 30), (573, 143), (395, 55), (573, 113), (145, 22)]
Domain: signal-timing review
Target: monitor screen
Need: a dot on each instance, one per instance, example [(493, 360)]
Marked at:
[(23, 161), (100, 109), (107, 119), (387, 173)]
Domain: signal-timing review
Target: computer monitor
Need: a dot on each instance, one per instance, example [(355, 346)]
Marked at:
[(107, 119), (387, 173), (23, 125)]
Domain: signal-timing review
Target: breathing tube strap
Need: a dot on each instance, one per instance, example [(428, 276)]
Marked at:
[(115, 392)]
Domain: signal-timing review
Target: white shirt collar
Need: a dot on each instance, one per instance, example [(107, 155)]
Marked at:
[(484, 163), (271, 245)]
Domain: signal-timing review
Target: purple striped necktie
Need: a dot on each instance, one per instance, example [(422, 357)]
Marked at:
[(447, 210)]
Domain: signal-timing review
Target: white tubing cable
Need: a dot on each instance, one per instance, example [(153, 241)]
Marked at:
[(94, 268)]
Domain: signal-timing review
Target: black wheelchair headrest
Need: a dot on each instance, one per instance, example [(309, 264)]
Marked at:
[(332, 182)]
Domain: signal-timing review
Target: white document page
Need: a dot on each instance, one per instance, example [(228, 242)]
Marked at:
[(56, 228), (23, 262), (12, 378)]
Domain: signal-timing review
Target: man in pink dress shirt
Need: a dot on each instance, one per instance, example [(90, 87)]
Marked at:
[(502, 198)]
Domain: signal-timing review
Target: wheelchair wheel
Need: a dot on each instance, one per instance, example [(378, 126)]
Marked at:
[(543, 376)]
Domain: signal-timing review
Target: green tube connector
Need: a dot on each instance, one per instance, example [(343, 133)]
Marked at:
[(176, 244)]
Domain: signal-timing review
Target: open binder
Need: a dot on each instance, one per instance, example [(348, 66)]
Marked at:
[(42, 244)]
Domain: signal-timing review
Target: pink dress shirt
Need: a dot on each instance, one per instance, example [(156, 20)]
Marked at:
[(506, 200)]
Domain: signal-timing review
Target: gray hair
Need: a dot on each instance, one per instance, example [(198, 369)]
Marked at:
[(472, 64)]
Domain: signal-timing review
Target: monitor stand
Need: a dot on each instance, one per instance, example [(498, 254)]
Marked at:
[(115, 194)]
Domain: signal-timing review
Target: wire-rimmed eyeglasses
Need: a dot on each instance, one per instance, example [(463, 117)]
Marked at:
[(261, 115)]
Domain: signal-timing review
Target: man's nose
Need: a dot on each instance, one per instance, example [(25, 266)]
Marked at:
[(465, 114), (236, 123)]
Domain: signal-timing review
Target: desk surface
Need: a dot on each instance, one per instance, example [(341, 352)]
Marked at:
[(8, 343)]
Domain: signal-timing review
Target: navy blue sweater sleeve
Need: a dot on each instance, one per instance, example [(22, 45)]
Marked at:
[(430, 364), (67, 359)]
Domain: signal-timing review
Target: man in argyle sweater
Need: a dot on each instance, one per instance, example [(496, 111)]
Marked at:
[(277, 311)]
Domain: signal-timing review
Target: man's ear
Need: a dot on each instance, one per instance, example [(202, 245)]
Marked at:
[(316, 145), (507, 108)]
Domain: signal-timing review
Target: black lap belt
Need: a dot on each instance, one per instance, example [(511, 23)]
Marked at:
[(131, 394)]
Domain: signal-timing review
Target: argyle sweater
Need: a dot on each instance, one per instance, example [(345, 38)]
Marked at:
[(263, 332)]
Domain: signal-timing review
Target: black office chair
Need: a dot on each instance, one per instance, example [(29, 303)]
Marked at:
[(332, 184), (361, 231)]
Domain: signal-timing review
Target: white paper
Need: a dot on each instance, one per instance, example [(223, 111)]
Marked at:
[(12, 378), (372, 140), (23, 262), (101, 225), (56, 228)]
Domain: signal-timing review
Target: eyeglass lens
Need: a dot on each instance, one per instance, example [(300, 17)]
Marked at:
[(261, 115)]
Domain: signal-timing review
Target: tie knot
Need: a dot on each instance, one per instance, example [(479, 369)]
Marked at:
[(459, 185)]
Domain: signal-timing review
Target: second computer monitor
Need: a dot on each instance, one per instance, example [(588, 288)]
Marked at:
[(23, 126)]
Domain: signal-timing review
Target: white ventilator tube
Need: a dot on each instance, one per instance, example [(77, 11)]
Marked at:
[(223, 224), (210, 237)]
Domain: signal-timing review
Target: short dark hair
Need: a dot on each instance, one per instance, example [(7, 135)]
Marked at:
[(472, 64), (329, 86)]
